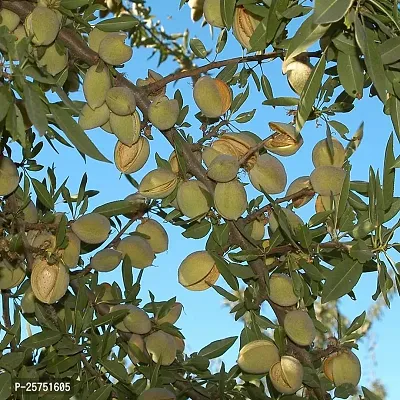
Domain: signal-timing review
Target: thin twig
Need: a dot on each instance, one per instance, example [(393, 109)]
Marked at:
[(267, 208), (251, 152)]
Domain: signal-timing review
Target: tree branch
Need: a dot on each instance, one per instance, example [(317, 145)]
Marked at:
[(213, 65), (80, 49), (5, 300)]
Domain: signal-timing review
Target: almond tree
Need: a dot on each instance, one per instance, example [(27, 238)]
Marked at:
[(85, 332)]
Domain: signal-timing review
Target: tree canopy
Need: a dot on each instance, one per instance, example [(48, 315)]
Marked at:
[(63, 73)]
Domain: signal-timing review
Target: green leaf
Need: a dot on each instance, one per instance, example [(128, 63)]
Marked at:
[(282, 101), (306, 35), (42, 339), (266, 87), (388, 174), (274, 18), (227, 73), (197, 230), (309, 93), (339, 127), (341, 280), (11, 361), (116, 369), (351, 74), (5, 385), (326, 12), (101, 394), (110, 318), (43, 194), (394, 104), (127, 274), (345, 390), (241, 271), (221, 42), (35, 109), (222, 267), (123, 23), (311, 270), (357, 323), (361, 252), (346, 43), (225, 293), (198, 48), (75, 133), (343, 196), (5, 101), (227, 11), (390, 50), (366, 41), (118, 207), (369, 395), (73, 4), (245, 117), (258, 40), (217, 348)]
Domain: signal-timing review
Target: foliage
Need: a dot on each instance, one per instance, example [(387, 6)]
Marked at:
[(87, 331)]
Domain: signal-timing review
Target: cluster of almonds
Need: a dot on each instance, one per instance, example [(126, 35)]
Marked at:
[(43, 25), (147, 340), (230, 152), (286, 372), (297, 69), (113, 108), (50, 277)]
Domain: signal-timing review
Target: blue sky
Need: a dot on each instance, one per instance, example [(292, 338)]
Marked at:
[(204, 318)]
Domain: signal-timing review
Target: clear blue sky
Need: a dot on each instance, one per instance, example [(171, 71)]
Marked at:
[(204, 319)]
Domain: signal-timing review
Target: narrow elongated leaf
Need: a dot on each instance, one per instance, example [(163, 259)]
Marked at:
[(351, 74), (390, 50), (276, 9), (282, 102), (42, 339), (43, 194), (5, 101), (101, 394), (388, 175), (305, 36), (310, 93), (116, 369), (356, 324), (225, 293), (227, 11), (373, 62), (346, 43), (114, 208), (330, 11), (266, 87), (73, 4), (5, 385), (394, 103), (123, 23), (75, 133), (222, 267), (198, 230), (217, 348), (198, 48), (341, 280), (35, 109), (258, 39)]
